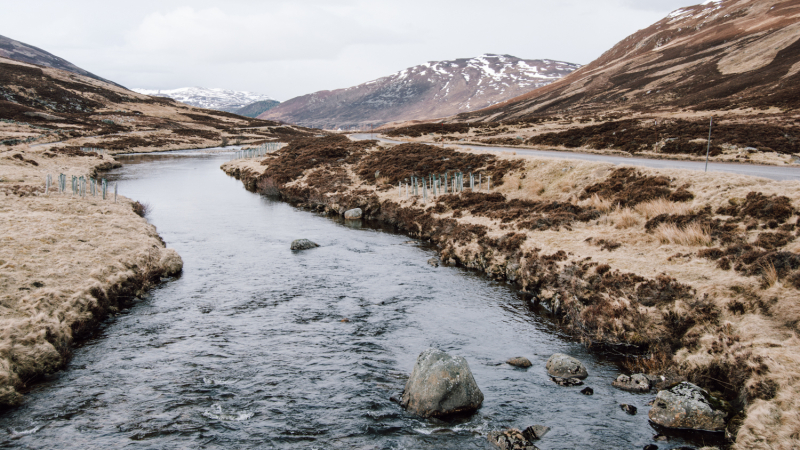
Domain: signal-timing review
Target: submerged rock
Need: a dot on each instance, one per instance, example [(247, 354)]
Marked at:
[(441, 385), (587, 391), (303, 244), (687, 406), (511, 439), (633, 383), (519, 361), (535, 432), (563, 366), (433, 262), (630, 409), (354, 213), (567, 382)]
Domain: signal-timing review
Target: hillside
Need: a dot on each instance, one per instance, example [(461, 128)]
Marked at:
[(19, 51), (213, 98), (426, 91), (255, 109), (40, 105), (721, 55)]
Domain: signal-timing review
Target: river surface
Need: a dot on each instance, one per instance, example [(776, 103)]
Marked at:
[(247, 349)]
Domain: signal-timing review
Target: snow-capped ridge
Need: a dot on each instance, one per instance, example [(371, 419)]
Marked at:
[(211, 98)]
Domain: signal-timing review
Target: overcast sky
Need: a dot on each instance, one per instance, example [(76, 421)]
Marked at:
[(290, 48)]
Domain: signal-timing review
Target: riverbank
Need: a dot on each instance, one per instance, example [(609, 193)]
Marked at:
[(66, 261), (696, 272)]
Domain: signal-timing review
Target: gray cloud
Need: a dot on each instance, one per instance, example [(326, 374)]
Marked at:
[(289, 48)]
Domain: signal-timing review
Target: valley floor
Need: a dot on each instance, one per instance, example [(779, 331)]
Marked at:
[(699, 273)]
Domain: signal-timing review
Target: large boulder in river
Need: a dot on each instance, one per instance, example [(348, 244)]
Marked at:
[(687, 406), (354, 213), (564, 366), (441, 385), (303, 244)]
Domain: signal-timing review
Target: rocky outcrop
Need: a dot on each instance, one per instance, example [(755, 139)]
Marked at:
[(564, 366), (687, 406), (303, 244), (633, 383), (441, 385), (354, 213)]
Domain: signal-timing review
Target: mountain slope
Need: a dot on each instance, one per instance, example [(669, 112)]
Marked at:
[(214, 98), (426, 91), (256, 108), (720, 55), (19, 51)]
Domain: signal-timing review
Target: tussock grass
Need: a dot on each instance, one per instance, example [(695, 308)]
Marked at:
[(692, 235), (600, 204), (625, 218), (769, 276), (662, 206)]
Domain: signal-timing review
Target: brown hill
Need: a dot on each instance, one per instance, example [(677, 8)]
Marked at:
[(720, 55), (46, 105), (427, 91)]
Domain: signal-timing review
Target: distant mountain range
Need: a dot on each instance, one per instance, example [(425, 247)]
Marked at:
[(219, 99), (719, 55), (431, 90), (19, 51)]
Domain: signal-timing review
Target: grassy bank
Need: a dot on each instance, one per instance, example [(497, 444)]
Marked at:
[(65, 261), (694, 275)]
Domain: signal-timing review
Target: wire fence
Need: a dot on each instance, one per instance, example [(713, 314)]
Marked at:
[(261, 150), (440, 184), (79, 186)]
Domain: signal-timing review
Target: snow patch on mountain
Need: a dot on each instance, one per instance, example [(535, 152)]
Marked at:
[(210, 98)]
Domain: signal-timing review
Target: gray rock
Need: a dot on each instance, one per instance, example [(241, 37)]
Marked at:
[(587, 391), (634, 383), (630, 409), (535, 432), (441, 385), (519, 361), (303, 244), (354, 213), (563, 366), (433, 262), (510, 439), (687, 406)]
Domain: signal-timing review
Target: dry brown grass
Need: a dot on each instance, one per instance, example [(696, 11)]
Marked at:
[(625, 218), (662, 206), (64, 262), (691, 235), (600, 204)]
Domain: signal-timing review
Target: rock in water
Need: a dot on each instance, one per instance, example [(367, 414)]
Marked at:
[(563, 366), (587, 391), (535, 432), (633, 383), (433, 262), (687, 406), (630, 409), (519, 361), (441, 385), (567, 382), (510, 439), (303, 244), (354, 213)]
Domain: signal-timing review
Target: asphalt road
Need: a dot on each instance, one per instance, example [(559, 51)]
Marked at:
[(771, 172)]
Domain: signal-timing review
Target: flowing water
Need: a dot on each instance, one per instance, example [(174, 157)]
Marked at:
[(247, 349)]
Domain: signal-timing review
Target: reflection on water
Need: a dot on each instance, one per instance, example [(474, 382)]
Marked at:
[(247, 348)]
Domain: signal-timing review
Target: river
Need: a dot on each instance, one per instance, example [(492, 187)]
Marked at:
[(248, 348)]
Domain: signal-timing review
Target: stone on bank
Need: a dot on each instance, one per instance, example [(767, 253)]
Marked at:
[(441, 385), (686, 406), (354, 213)]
